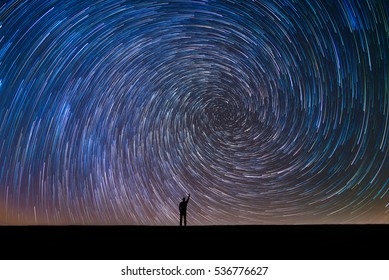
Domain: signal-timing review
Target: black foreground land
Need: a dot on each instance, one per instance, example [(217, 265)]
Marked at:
[(268, 242)]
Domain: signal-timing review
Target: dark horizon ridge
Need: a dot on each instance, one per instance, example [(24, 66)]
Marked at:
[(199, 242)]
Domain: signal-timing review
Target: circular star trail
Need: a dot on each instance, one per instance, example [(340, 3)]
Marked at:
[(266, 112)]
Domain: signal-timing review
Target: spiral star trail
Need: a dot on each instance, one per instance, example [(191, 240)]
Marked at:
[(266, 112)]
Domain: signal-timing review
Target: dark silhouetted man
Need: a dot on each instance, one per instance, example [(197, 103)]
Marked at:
[(182, 208)]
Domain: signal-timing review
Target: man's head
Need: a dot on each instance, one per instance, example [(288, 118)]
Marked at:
[(183, 199)]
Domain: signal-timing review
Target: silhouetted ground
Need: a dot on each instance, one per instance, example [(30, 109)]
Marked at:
[(318, 242)]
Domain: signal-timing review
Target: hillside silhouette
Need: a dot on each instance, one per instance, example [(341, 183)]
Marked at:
[(200, 242)]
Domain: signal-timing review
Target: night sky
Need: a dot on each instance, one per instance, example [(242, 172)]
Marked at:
[(266, 112)]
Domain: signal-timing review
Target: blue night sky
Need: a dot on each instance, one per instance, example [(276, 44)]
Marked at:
[(266, 112)]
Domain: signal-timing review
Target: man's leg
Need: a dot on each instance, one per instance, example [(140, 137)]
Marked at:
[(180, 220), (185, 219)]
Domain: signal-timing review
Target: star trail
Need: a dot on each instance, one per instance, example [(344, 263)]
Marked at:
[(266, 112)]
